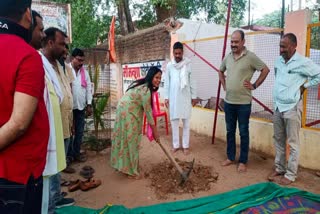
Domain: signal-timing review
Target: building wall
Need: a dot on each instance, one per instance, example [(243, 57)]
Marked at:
[(296, 22), (261, 136), (145, 45)]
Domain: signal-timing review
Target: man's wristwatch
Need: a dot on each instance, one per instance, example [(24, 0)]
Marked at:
[(254, 85)]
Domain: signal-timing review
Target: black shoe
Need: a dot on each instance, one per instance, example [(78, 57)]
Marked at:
[(69, 170), (81, 158), (64, 202), (86, 174), (69, 160)]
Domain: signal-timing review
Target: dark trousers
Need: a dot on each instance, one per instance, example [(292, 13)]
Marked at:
[(79, 122), (18, 198), (240, 113)]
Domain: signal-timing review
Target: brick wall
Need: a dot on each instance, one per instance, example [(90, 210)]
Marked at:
[(142, 46), (145, 45)]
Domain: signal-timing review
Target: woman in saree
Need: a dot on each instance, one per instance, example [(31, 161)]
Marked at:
[(128, 124)]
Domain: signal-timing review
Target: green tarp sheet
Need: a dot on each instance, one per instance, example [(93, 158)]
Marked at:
[(226, 203)]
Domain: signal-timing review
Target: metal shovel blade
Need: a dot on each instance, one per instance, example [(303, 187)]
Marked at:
[(185, 175)]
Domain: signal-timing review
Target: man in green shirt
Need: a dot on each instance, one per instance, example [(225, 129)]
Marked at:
[(240, 65)]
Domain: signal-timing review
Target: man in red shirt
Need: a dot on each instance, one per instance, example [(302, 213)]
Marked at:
[(24, 127)]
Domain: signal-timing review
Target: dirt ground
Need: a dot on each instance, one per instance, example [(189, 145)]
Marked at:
[(118, 189), (165, 179)]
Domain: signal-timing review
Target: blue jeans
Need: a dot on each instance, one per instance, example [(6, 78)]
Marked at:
[(54, 192), (240, 113), (18, 198), (79, 122)]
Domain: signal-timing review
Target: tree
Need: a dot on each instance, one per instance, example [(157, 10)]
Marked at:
[(272, 19), (87, 26), (210, 11), (146, 14), (315, 31), (218, 13), (126, 24), (164, 9)]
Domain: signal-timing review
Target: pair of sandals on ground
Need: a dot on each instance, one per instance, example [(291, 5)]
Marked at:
[(84, 185), (87, 173)]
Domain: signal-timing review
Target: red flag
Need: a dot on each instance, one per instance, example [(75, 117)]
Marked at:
[(111, 41)]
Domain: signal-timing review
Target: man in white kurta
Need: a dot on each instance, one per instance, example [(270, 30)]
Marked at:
[(180, 96)]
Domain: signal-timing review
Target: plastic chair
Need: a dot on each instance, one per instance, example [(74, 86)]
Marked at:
[(156, 113)]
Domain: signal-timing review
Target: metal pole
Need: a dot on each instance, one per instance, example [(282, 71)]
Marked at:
[(299, 4), (249, 10), (219, 85), (282, 15)]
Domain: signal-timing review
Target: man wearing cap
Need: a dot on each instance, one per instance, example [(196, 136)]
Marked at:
[(24, 127)]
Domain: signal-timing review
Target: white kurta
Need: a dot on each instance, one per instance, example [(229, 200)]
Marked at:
[(179, 99)]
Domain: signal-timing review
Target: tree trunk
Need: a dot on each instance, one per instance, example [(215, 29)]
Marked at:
[(164, 12), (126, 24)]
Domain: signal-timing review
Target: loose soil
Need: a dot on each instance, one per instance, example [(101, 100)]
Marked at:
[(165, 178), (207, 178)]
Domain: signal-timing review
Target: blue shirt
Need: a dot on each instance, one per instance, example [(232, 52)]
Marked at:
[(289, 77)]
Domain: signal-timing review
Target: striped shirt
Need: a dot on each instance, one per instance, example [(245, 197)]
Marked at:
[(289, 77)]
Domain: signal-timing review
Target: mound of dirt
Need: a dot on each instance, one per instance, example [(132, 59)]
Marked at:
[(165, 178)]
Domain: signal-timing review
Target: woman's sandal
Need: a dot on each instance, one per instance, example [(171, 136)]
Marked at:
[(136, 177)]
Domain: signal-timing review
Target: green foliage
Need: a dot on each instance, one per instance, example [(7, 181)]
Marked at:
[(94, 144), (99, 102), (87, 26), (161, 3), (146, 14), (315, 32), (218, 13), (99, 106), (272, 19), (206, 10), (95, 77)]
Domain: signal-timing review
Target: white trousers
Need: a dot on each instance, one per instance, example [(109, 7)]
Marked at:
[(286, 127), (185, 133)]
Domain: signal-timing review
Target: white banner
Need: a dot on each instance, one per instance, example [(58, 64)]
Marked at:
[(132, 72)]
